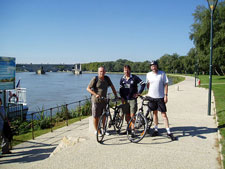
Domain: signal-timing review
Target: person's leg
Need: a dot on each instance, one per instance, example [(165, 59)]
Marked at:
[(166, 122), (95, 115), (133, 110), (5, 145), (156, 122), (133, 107), (127, 118), (95, 122), (162, 108), (154, 106)]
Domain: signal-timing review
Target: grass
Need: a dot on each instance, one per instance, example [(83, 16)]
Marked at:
[(176, 79), (218, 87), (28, 136)]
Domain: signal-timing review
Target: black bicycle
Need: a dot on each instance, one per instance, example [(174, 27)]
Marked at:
[(106, 120), (141, 122)]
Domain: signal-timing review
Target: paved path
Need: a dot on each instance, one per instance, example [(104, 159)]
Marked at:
[(196, 148)]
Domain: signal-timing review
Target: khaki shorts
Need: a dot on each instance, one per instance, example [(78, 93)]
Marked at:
[(130, 107), (97, 109)]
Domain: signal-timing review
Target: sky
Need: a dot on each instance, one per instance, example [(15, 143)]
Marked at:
[(83, 31)]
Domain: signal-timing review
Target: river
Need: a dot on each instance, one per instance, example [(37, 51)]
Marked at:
[(57, 88)]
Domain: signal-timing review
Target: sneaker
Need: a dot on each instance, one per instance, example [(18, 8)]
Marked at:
[(171, 136), (155, 133), (132, 134), (100, 135), (107, 133)]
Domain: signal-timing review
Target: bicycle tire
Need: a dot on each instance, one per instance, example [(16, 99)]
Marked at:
[(136, 128), (118, 119), (101, 129)]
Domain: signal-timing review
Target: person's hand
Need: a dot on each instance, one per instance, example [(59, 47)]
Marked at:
[(165, 99), (97, 96), (122, 100), (136, 95)]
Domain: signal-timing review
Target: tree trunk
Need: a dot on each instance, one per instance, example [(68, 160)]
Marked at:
[(217, 72), (222, 71)]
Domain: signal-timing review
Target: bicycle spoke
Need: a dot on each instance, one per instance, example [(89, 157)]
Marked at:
[(136, 128)]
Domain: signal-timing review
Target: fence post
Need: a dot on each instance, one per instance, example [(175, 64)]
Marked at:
[(32, 125), (67, 115), (51, 118), (79, 110)]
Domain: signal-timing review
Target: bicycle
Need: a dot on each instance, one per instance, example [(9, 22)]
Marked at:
[(140, 123), (116, 121)]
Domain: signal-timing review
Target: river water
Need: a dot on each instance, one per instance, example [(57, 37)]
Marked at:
[(57, 88)]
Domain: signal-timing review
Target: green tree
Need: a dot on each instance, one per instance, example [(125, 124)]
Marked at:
[(200, 34)]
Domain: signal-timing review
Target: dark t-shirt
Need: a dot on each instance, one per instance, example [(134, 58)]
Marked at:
[(100, 88), (129, 87)]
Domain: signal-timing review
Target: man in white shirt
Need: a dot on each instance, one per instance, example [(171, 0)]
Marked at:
[(157, 83)]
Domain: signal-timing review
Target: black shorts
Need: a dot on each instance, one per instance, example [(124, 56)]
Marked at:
[(157, 104)]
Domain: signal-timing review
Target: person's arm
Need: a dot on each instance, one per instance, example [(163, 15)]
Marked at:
[(92, 92), (114, 90), (166, 93), (142, 84), (89, 88), (121, 91)]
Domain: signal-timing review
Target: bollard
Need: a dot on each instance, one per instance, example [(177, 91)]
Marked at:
[(199, 82), (51, 118), (177, 88), (67, 115), (32, 125), (80, 111)]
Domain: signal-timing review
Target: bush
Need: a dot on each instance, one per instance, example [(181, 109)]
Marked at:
[(46, 123)]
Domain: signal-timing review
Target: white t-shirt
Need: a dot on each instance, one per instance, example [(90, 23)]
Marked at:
[(157, 83)]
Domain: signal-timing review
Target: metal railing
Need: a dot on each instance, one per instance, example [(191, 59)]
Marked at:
[(47, 118)]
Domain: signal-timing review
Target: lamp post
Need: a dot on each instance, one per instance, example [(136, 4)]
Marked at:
[(212, 6)]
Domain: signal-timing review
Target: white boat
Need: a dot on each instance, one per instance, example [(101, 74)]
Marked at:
[(16, 103)]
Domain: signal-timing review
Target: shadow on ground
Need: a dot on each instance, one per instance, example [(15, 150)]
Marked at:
[(29, 154)]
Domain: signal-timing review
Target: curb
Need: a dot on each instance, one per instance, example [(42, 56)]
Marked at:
[(218, 133)]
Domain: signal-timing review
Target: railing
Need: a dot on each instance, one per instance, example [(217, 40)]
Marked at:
[(47, 118), (15, 111)]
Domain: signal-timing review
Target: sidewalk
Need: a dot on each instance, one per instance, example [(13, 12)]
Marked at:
[(196, 148)]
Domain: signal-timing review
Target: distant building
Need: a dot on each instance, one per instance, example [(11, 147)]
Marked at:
[(77, 69), (40, 71)]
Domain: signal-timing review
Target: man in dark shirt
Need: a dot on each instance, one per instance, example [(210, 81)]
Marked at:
[(129, 92)]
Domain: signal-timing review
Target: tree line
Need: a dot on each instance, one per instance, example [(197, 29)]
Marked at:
[(196, 60)]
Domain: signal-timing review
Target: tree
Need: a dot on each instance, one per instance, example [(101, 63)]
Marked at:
[(200, 34)]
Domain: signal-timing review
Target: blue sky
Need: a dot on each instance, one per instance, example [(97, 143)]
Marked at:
[(82, 31)]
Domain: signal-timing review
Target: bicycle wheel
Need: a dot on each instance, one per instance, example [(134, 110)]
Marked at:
[(118, 119), (136, 128), (102, 125)]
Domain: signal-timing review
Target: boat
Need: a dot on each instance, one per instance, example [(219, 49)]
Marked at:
[(16, 103)]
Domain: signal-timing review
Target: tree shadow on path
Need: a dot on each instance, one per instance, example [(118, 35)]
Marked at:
[(34, 152)]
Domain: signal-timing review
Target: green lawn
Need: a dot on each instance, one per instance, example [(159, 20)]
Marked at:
[(218, 87)]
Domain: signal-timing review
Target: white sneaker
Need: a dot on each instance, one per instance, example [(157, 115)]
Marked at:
[(107, 133), (100, 135)]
